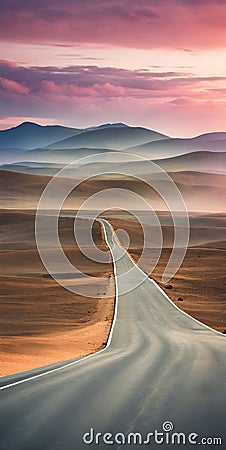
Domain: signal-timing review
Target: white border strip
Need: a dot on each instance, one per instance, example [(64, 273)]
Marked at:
[(92, 354)]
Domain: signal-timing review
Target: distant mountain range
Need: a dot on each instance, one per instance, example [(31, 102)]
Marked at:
[(30, 135), (116, 136), (197, 165)]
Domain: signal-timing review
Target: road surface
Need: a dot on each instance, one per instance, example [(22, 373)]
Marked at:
[(160, 366)]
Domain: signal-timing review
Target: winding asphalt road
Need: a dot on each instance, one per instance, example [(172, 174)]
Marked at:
[(159, 366)]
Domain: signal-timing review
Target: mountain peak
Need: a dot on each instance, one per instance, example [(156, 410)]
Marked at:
[(109, 125), (114, 124), (28, 135), (28, 125)]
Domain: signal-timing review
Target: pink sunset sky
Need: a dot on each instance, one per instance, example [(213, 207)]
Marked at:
[(159, 64)]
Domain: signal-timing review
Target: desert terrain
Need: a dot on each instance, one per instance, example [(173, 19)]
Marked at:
[(41, 322)]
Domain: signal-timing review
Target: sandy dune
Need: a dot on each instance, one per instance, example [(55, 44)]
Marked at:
[(41, 322), (24, 190)]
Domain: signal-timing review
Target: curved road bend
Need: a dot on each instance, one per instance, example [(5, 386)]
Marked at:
[(161, 365)]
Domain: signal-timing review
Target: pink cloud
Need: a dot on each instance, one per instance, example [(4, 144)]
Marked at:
[(171, 102), (13, 86), (157, 113), (8, 63), (109, 90), (109, 82), (106, 90), (182, 101)]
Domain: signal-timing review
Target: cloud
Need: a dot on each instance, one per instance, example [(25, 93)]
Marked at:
[(182, 101), (13, 86), (86, 94), (144, 24), (103, 82), (106, 90)]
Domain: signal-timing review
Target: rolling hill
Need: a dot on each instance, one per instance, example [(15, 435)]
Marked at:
[(117, 138), (30, 135), (49, 162), (21, 190), (215, 142), (202, 161)]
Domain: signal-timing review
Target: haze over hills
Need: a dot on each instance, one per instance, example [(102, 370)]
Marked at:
[(215, 142), (117, 136), (197, 165), (201, 161), (33, 168), (194, 160), (20, 190), (21, 142), (110, 137)]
